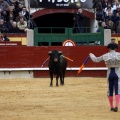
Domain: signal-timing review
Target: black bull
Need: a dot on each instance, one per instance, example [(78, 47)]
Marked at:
[(57, 66)]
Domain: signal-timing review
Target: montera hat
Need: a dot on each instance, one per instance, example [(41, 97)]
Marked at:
[(112, 46)]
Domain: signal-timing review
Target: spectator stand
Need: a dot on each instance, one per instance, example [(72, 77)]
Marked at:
[(8, 22), (18, 38), (108, 16)]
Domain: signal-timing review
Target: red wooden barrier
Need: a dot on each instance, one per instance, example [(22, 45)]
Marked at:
[(11, 43), (33, 57)]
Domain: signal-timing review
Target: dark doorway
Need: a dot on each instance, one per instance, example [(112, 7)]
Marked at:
[(58, 20), (55, 20), (56, 23)]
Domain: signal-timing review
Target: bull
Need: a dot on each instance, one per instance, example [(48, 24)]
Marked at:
[(57, 66)]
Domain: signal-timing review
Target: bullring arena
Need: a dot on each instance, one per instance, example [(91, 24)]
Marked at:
[(81, 98), (25, 92)]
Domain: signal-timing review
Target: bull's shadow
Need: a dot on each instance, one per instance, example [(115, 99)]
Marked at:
[(57, 66)]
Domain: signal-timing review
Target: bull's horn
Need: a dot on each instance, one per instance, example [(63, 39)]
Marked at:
[(49, 52), (60, 52)]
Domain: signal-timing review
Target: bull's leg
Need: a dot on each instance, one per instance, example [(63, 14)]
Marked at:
[(51, 78), (61, 80), (51, 83), (63, 76), (57, 76)]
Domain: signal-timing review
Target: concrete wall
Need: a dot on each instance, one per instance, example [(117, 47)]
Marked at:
[(107, 36), (16, 74), (30, 37)]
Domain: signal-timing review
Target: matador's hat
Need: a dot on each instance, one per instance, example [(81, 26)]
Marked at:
[(112, 46)]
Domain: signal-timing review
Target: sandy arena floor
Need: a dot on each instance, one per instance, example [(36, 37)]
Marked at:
[(32, 99)]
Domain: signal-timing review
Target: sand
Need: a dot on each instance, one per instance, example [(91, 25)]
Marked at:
[(81, 98)]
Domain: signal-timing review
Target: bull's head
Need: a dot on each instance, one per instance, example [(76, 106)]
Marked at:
[(54, 55)]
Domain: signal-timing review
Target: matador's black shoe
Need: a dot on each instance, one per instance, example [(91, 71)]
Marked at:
[(112, 109), (115, 109)]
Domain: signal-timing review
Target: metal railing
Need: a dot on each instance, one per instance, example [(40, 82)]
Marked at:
[(49, 35)]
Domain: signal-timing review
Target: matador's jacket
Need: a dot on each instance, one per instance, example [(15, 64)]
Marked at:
[(112, 60)]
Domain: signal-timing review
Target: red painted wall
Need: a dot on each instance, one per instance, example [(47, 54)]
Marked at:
[(93, 73), (30, 57), (15, 57), (52, 11)]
